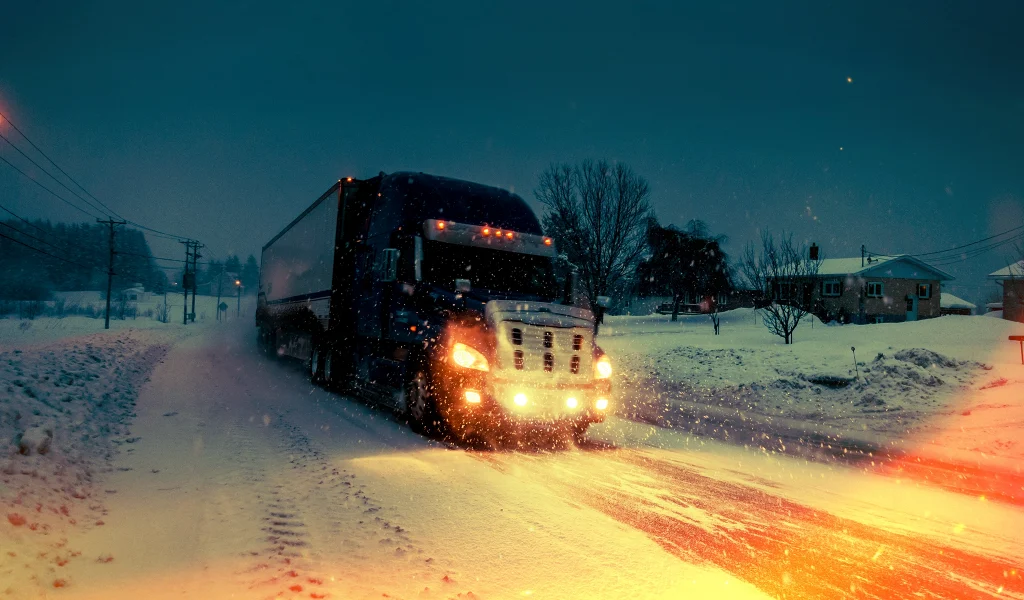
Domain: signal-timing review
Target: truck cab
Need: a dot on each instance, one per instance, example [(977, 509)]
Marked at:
[(444, 306)]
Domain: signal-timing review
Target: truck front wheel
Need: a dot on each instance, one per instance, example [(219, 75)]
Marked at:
[(578, 431), (420, 407)]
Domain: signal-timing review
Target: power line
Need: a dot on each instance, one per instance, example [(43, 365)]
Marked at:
[(49, 174), (955, 248), (28, 235), (60, 258), (952, 257), (978, 251), (73, 180), (65, 173), (53, 193), (38, 228)]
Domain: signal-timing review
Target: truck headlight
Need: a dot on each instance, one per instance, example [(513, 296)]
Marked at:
[(602, 367), (468, 357)]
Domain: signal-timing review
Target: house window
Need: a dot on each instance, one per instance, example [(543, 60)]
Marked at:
[(879, 319), (831, 288), (723, 299), (924, 290), (785, 291), (875, 289)]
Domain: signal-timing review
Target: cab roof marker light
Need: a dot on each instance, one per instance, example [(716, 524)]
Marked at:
[(547, 241), (484, 235)]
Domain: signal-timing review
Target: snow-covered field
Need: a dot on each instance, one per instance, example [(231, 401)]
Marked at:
[(185, 464), (18, 332), (941, 385)]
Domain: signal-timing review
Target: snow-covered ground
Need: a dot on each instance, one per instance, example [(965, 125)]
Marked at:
[(18, 332), (945, 386), (228, 475)]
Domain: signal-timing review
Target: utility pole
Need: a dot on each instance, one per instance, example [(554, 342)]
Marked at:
[(238, 308), (195, 272), (185, 281), (110, 265), (220, 285)]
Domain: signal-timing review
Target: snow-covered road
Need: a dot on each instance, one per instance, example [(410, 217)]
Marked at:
[(245, 481)]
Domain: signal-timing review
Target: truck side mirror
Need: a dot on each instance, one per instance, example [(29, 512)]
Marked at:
[(463, 285), (389, 264), (604, 301)]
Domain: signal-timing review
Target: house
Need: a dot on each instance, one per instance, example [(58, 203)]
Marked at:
[(1011, 279), (951, 305), (873, 289), (135, 293)]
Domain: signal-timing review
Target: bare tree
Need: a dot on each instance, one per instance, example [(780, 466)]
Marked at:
[(785, 277), (597, 212)]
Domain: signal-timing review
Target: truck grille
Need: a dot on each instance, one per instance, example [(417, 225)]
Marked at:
[(561, 352)]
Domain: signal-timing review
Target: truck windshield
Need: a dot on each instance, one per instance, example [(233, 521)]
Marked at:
[(495, 271)]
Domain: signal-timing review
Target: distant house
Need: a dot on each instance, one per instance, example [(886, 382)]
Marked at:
[(135, 293), (874, 289), (1012, 281), (951, 305)]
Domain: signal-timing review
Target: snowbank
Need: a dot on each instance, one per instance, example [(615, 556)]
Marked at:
[(747, 386), (64, 409)]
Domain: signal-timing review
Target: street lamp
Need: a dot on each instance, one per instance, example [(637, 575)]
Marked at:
[(238, 309)]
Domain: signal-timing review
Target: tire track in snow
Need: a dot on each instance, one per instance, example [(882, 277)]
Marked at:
[(321, 527), (784, 548)]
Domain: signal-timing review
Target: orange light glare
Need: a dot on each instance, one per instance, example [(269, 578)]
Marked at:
[(508, 234), (572, 402), (440, 225), (520, 399), (469, 358), (547, 241), (603, 368), (472, 396), (486, 231), (497, 232), (601, 404), (348, 179)]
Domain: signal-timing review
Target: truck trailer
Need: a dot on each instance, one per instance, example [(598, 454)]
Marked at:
[(436, 298)]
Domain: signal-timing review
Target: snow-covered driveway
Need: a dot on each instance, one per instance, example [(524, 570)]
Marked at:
[(245, 481)]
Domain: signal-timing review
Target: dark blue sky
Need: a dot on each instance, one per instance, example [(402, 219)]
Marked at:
[(223, 123)]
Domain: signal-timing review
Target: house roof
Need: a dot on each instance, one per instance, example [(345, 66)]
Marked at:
[(1009, 272), (878, 266), (948, 300)]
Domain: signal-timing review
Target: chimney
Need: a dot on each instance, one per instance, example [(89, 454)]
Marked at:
[(814, 252)]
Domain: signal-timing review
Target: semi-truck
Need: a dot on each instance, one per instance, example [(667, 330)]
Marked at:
[(438, 299)]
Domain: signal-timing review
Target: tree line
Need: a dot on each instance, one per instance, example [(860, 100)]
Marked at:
[(223, 274), (74, 257), (607, 234)]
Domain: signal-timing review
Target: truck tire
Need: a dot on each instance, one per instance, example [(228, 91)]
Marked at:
[(328, 376), (316, 365), (270, 343), (420, 406), (578, 432)]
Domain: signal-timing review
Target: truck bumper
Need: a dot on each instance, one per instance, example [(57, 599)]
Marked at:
[(506, 406)]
